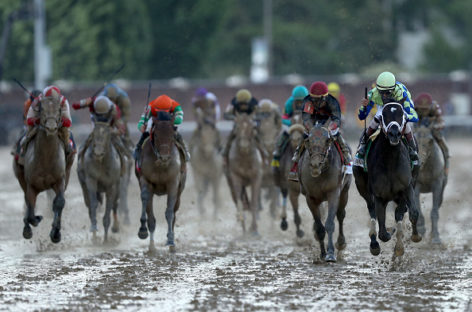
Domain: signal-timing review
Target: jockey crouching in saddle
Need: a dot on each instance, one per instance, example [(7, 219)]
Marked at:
[(166, 104), (319, 106), (16, 150), (389, 90), (242, 103), (430, 114), (207, 103), (293, 106), (51, 93), (102, 109)]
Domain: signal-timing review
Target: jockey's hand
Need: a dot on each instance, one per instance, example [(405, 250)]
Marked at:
[(333, 128), (76, 106), (364, 102)]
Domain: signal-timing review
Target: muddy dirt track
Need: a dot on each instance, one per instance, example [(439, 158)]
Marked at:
[(216, 268)]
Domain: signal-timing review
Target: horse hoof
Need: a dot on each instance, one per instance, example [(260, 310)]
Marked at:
[(436, 241), (35, 220), (172, 248), (385, 237), (55, 236), (399, 250), (27, 232), (284, 224), (416, 238), (375, 249), (115, 229), (300, 233), (340, 245), (330, 257), (143, 233), (421, 229)]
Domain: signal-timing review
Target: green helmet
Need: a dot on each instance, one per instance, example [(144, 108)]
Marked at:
[(299, 92), (385, 81)]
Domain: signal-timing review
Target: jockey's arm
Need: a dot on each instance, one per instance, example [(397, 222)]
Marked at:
[(438, 121), (178, 115), (32, 117), (335, 116), (65, 114), (365, 110), (124, 103), (288, 111), (229, 113), (145, 116)]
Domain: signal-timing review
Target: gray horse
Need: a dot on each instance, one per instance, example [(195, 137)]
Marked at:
[(287, 187), (432, 178), (245, 169), (163, 172), (206, 162), (321, 178), (45, 168), (99, 172)]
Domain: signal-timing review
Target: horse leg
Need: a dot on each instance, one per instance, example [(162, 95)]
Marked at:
[(340, 215), (255, 199), (380, 206), (123, 202), (171, 200), (151, 222), (374, 244), (421, 221), (111, 204), (273, 201), (283, 216), (91, 186), (296, 216), (146, 197), (238, 190), (30, 200), (216, 196), (437, 198), (201, 195), (413, 214), (333, 202), (57, 206), (399, 249), (320, 231)]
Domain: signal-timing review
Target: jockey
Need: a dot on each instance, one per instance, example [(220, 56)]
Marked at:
[(320, 106), (120, 98), (32, 119), (102, 109), (26, 105), (161, 103), (335, 90), (208, 103), (388, 90), (245, 103), (430, 114), (293, 106)]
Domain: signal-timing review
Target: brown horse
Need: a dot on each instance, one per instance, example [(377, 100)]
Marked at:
[(431, 178), (321, 178), (245, 169), (206, 161), (45, 168), (287, 187), (163, 172)]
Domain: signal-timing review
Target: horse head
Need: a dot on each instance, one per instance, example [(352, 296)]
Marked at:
[(425, 141), (163, 137), (393, 122), (319, 146), (296, 134), (50, 114), (245, 132), (101, 137)]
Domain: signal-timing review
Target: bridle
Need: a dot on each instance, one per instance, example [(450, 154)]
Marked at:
[(387, 127)]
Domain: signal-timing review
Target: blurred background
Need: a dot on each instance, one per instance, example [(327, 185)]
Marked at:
[(267, 46)]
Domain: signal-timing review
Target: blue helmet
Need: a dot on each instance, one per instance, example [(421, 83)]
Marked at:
[(299, 92)]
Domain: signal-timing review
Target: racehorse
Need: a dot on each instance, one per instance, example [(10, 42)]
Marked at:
[(288, 187), (244, 169), (432, 178), (99, 172), (321, 177), (206, 161), (162, 172), (268, 129), (387, 176), (45, 168)]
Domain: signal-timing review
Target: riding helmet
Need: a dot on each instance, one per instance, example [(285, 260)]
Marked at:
[(385, 81), (318, 89)]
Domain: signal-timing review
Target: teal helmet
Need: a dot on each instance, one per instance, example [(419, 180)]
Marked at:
[(299, 92)]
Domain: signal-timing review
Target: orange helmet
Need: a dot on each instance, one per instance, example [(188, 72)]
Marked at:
[(161, 103)]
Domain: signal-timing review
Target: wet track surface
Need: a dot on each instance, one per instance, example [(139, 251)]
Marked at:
[(215, 267)]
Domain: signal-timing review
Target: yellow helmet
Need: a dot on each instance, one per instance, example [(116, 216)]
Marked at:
[(243, 96), (334, 89)]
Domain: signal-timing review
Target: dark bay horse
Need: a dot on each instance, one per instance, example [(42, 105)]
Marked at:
[(163, 172), (321, 177), (287, 187), (388, 178), (245, 169), (206, 161), (432, 178), (45, 168), (99, 172)]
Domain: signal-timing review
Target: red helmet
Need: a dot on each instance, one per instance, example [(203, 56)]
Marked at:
[(318, 89), (424, 100)]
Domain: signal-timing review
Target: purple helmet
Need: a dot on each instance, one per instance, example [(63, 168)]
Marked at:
[(201, 92)]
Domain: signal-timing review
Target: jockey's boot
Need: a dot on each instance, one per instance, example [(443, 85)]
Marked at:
[(445, 150), (346, 153), (412, 150), (293, 175), (363, 142), (180, 141), (64, 135), (30, 133), (279, 149), (138, 149), (229, 141)]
